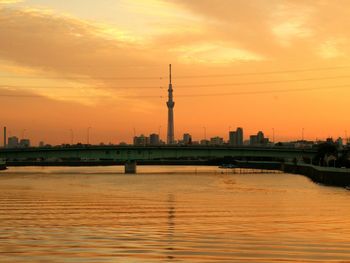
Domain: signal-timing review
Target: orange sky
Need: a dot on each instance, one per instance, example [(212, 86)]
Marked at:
[(257, 64)]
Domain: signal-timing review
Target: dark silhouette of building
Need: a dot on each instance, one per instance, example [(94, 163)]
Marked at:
[(154, 139), (187, 138), (236, 137)]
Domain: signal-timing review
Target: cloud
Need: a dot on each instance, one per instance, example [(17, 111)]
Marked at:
[(10, 1), (61, 50), (274, 29)]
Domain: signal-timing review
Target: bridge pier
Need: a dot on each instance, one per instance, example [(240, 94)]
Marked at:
[(130, 167)]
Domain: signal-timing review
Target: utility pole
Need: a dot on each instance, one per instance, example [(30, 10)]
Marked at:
[(71, 136), (88, 135)]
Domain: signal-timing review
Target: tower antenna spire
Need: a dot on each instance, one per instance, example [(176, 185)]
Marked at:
[(170, 103), (170, 73)]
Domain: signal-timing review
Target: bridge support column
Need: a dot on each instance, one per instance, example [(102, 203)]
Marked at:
[(130, 167)]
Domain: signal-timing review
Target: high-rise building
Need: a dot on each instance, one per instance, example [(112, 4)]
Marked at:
[(141, 140), (232, 138), (170, 103), (216, 141), (239, 136), (187, 138), (253, 140), (154, 139), (260, 137), (12, 142), (236, 137), (24, 143)]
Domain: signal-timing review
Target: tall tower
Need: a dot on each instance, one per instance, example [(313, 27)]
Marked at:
[(170, 103)]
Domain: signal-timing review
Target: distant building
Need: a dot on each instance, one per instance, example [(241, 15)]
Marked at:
[(187, 138), (141, 140), (204, 142), (253, 140), (24, 143), (12, 142), (154, 139), (259, 139), (232, 138), (339, 142), (236, 137), (239, 136), (216, 141), (41, 144)]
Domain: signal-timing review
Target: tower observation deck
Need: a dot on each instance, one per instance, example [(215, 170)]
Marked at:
[(170, 103)]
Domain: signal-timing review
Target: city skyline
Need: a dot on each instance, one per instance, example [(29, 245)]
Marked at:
[(108, 69)]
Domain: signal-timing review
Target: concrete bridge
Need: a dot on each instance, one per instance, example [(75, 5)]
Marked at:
[(130, 155)]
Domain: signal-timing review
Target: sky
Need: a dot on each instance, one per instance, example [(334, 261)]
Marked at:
[(279, 65)]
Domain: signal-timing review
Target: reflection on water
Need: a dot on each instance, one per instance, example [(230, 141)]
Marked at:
[(169, 214)]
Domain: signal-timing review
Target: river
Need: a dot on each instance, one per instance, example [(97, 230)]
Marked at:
[(169, 214)]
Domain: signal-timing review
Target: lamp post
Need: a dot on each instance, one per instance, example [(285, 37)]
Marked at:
[(71, 136), (302, 134), (23, 133), (205, 133), (88, 135)]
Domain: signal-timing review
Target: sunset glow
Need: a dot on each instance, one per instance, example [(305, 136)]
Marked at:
[(261, 65)]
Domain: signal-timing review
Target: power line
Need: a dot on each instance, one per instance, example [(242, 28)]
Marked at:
[(182, 86), (181, 77), (193, 95), (262, 82), (262, 72), (264, 91), (81, 78)]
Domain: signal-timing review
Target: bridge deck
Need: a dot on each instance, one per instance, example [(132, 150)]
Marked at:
[(135, 153)]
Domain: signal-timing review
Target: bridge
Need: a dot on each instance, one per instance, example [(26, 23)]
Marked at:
[(131, 155)]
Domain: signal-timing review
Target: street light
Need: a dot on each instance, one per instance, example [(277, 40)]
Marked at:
[(205, 133), (71, 136), (88, 135), (23, 132), (302, 134)]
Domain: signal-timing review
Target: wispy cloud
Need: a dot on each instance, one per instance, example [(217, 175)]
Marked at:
[(11, 1)]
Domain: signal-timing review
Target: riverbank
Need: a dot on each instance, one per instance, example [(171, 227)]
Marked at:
[(324, 175)]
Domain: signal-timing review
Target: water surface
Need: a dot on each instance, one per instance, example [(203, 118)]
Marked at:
[(169, 214)]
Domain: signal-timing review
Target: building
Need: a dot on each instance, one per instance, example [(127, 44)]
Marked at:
[(24, 143), (236, 137), (141, 140), (259, 139), (187, 139), (232, 138), (216, 141), (13, 142), (41, 144), (154, 139), (170, 103), (253, 140), (204, 142), (239, 136)]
